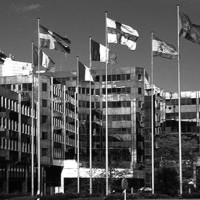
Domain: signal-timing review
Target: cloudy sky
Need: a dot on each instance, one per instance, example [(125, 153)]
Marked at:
[(80, 19)]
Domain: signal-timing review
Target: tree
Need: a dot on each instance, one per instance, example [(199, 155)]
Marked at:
[(167, 152), (168, 148), (166, 181)]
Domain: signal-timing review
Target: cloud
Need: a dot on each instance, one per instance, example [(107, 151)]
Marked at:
[(25, 8)]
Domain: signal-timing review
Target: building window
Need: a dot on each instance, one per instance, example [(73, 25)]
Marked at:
[(139, 104), (128, 76), (29, 86), (44, 87), (44, 103), (97, 91), (83, 90), (114, 77), (97, 79), (139, 76), (87, 90), (128, 90), (123, 77), (97, 104), (44, 119), (44, 135), (19, 87), (25, 87), (44, 151), (139, 90)]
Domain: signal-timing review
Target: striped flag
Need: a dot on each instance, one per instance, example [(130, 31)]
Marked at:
[(163, 49), (51, 40), (84, 72), (121, 33), (98, 53), (45, 61)]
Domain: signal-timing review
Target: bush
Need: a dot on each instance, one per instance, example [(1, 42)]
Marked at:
[(16, 195), (194, 195)]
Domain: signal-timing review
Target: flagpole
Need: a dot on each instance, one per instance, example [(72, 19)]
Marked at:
[(106, 38), (38, 120), (152, 117), (77, 128), (90, 64), (179, 105), (32, 128)]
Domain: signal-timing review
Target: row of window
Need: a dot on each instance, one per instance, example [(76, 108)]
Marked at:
[(113, 77), (120, 131), (118, 117), (184, 115), (117, 77), (58, 138), (13, 105), (184, 101), (13, 125), (12, 145), (121, 90), (111, 104)]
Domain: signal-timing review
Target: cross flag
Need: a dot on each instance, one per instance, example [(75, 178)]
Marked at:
[(163, 49), (121, 33), (51, 40)]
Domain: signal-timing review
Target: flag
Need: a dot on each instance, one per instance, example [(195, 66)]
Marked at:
[(45, 61), (188, 30), (163, 49), (98, 53), (121, 33), (51, 40), (84, 72), (2, 57)]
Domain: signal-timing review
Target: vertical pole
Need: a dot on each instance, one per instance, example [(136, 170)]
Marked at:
[(52, 121), (179, 106), (32, 129), (77, 127), (38, 121), (90, 64), (106, 38), (152, 118)]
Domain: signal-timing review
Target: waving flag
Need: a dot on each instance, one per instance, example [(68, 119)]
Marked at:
[(98, 53), (51, 40), (84, 72), (188, 30), (163, 49), (122, 34), (45, 61)]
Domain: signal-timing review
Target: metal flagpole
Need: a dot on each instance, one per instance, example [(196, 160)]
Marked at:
[(77, 127), (106, 38), (90, 64), (32, 128), (38, 120), (152, 117), (179, 106)]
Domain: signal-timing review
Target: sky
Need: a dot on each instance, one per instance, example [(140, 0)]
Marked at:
[(80, 19)]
